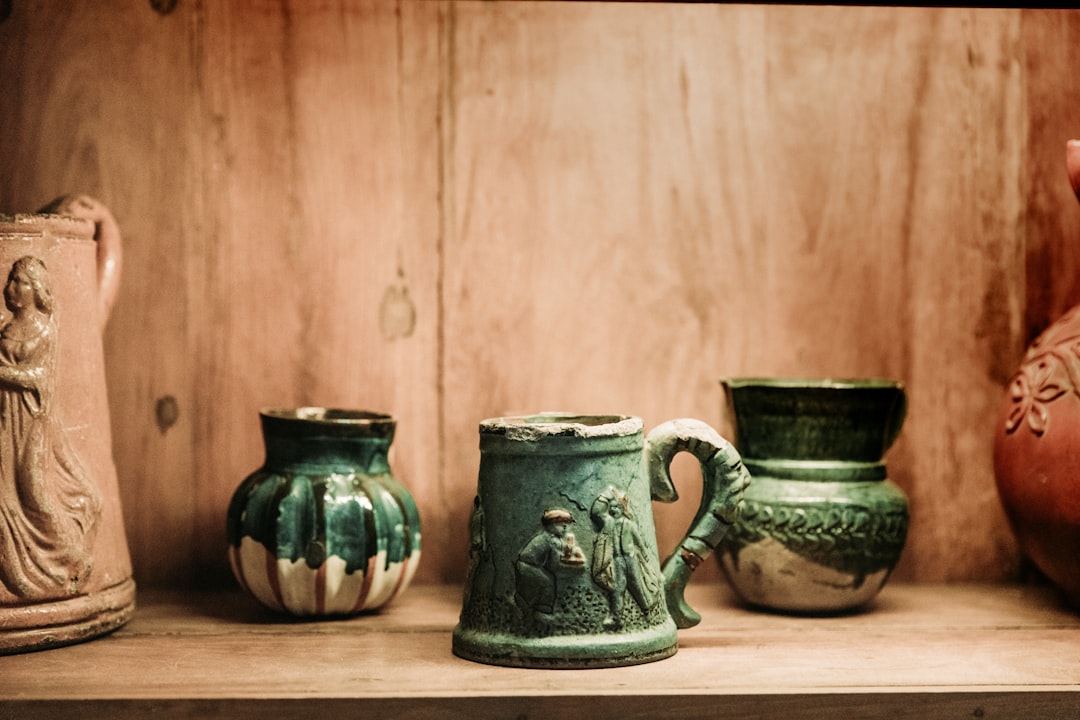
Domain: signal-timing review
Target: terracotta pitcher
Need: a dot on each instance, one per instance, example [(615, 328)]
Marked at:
[(1037, 443), (65, 571)]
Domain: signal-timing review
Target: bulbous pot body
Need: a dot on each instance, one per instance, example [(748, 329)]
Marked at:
[(1037, 454), (822, 526), (323, 528)]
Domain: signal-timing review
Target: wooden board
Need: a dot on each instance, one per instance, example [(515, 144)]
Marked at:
[(1052, 216), (274, 173), (452, 210), (979, 651), (649, 198)]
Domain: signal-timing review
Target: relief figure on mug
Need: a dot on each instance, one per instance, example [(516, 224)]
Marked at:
[(479, 573), (621, 558), (538, 566), (49, 506)]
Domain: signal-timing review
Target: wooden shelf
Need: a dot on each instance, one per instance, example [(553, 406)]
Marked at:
[(921, 651)]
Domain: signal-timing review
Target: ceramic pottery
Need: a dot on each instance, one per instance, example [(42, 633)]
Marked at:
[(323, 528), (1037, 444), (564, 570), (823, 526), (65, 571)]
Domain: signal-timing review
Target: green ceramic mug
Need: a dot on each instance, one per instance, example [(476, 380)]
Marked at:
[(564, 571)]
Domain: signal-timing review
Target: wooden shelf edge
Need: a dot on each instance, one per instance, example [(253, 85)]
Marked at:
[(920, 651), (1030, 705)]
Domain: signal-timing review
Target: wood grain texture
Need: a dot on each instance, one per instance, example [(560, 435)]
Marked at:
[(452, 210), (319, 203), (274, 171), (81, 85), (742, 190), (1052, 221), (927, 650)]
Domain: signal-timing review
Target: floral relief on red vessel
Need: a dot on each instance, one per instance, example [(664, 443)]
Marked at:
[(1050, 369)]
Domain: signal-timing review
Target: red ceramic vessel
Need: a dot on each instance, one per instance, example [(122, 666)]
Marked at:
[(1037, 444)]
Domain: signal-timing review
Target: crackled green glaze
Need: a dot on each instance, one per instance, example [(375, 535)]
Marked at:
[(822, 526), (564, 570)]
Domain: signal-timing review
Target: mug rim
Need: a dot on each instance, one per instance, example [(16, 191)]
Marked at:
[(533, 426), (35, 224)]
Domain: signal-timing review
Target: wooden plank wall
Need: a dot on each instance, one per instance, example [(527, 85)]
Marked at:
[(451, 210)]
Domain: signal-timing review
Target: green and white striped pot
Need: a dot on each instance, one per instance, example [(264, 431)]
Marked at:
[(323, 528)]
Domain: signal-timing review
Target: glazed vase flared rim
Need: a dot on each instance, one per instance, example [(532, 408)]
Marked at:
[(815, 419), (336, 416), (317, 420), (838, 383)]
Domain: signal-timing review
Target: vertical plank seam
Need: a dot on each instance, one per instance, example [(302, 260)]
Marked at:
[(444, 121), (197, 265)]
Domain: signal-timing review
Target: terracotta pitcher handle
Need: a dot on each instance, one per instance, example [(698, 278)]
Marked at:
[(724, 479), (109, 244)]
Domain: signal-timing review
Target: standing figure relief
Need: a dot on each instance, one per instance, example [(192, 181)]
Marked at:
[(49, 506), (621, 558)]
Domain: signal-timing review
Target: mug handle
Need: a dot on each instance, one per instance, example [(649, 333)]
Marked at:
[(109, 244), (724, 479)]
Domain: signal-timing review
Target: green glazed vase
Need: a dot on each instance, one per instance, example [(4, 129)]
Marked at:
[(564, 570), (323, 528), (822, 526)]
